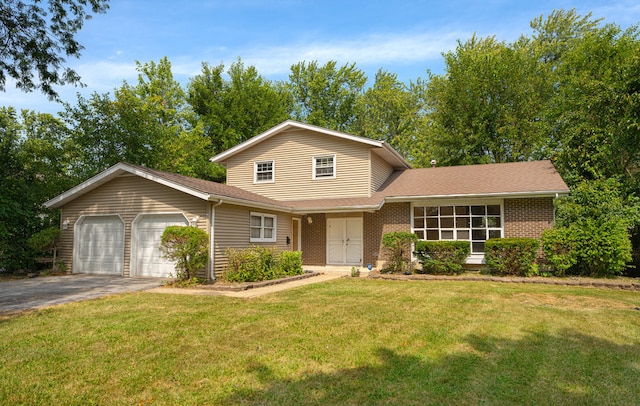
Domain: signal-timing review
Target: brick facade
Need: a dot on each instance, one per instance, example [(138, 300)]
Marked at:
[(392, 217), (527, 217), (314, 240)]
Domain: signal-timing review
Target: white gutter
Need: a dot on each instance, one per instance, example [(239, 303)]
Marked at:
[(478, 195)]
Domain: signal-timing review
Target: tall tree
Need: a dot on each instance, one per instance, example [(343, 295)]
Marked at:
[(326, 95), (488, 106), (32, 161), (36, 41), (148, 124), (235, 109), (391, 111)]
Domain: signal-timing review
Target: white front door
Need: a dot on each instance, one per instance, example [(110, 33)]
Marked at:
[(344, 241)]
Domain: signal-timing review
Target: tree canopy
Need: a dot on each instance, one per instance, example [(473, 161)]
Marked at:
[(36, 41)]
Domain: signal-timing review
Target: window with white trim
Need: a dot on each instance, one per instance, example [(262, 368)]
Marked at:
[(263, 228), (474, 223), (324, 166), (263, 172)]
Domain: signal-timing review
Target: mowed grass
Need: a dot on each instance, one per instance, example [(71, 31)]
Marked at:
[(348, 341)]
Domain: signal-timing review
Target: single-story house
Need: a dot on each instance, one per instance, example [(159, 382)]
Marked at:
[(297, 186)]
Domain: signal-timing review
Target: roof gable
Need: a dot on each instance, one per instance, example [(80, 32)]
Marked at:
[(382, 148), (202, 189)]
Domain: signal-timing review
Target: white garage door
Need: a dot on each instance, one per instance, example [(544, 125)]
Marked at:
[(147, 230), (99, 245)]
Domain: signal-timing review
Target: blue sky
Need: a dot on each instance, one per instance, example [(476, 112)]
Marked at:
[(406, 37)]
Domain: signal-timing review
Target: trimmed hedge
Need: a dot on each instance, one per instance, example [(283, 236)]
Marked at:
[(442, 257), (258, 263), (511, 256)]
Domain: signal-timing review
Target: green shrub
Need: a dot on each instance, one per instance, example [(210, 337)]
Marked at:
[(258, 263), (188, 247), (511, 256), (442, 257), (589, 247), (397, 245), (46, 242), (559, 245)]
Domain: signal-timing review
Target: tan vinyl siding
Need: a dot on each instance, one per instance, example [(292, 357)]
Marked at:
[(380, 171), (128, 196), (232, 231), (292, 152)]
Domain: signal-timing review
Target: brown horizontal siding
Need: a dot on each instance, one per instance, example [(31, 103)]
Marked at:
[(127, 196), (232, 225), (292, 153)]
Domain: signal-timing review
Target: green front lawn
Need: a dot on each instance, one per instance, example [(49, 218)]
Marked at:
[(349, 341)]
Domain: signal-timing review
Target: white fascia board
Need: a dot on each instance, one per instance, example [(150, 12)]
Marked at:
[(546, 193), (286, 125), (86, 186), (250, 203), (340, 209), (111, 173)]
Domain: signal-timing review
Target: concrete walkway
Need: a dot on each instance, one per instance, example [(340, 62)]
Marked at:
[(253, 292)]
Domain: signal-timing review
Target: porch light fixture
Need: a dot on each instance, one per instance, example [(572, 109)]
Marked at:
[(65, 224), (194, 221), (309, 219)]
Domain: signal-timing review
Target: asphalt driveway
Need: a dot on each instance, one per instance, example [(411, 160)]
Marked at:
[(25, 294)]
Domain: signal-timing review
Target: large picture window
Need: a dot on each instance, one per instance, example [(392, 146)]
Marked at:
[(263, 228), (473, 223)]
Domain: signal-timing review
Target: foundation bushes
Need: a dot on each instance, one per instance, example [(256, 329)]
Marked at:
[(511, 256), (261, 263), (442, 257), (397, 246)]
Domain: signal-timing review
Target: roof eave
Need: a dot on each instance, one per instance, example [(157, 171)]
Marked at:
[(294, 124), (512, 195), (111, 173)]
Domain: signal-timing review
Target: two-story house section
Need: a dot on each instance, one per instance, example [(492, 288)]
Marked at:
[(296, 186), (296, 161), (320, 172)]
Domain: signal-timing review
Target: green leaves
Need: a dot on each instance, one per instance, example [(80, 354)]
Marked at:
[(37, 40), (188, 247)]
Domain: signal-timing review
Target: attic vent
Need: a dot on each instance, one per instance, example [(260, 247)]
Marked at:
[(433, 163)]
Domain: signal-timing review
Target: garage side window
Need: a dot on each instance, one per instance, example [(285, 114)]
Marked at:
[(263, 227)]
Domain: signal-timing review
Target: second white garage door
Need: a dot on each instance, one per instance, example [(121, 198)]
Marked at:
[(146, 232)]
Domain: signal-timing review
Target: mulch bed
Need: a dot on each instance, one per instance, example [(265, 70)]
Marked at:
[(617, 283), (237, 287)]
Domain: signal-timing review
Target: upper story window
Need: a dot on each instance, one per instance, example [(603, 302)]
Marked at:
[(324, 166), (473, 223), (263, 172), (263, 228)]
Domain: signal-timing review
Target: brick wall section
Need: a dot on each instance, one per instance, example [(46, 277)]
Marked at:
[(392, 217), (314, 240), (527, 217)]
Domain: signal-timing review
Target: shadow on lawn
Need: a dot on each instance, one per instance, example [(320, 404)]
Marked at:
[(571, 368)]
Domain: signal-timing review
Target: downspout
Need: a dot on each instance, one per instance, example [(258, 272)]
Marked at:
[(212, 252)]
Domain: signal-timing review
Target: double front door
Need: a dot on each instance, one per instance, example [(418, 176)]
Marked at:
[(344, 241)]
